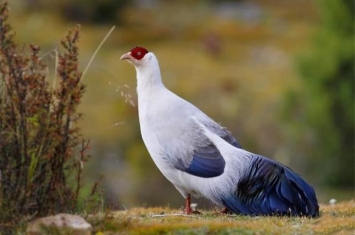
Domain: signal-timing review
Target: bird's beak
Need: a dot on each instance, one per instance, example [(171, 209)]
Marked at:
[(127, 56)]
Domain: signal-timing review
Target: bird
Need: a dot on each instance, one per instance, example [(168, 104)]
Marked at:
[(203, 159)]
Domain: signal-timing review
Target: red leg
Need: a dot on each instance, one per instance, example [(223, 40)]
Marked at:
[(187, 205)]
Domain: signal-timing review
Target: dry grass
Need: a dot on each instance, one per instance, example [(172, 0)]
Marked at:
[(336, 219)]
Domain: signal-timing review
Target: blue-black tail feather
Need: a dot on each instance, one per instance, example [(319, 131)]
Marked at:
[(270, 188)]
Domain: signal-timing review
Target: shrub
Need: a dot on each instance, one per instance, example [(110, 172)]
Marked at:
[(41, 149)]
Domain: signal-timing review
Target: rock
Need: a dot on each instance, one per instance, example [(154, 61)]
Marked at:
[(59, 224)]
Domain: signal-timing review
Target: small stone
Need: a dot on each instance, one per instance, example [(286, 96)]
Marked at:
[(59, 224), (332, 201)]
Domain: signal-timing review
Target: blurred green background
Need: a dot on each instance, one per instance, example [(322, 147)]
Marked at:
[(279, 74)]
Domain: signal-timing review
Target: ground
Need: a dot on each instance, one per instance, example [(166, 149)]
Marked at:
[(335, 219)]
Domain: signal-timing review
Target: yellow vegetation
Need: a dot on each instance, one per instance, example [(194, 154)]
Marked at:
[(334, 219)]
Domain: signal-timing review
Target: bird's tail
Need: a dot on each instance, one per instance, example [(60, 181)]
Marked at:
[(269, 188)]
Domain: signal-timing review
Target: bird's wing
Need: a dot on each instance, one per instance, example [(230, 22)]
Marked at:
[(205, 161), (192, 152), (268, 187), (185, 144), (187, 148)]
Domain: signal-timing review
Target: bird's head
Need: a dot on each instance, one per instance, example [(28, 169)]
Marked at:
[(137, 56), (146, 65)]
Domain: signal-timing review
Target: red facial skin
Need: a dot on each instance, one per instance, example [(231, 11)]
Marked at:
[(138, 52)]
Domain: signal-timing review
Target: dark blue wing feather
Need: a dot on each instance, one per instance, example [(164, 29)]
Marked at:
[(204, 159), (269, 188), (236, 144), (222, 132), (206, 162), (206, 167), (228, 137)]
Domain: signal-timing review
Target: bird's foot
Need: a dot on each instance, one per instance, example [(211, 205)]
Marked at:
[(224, 211), (189, 211), (196, 212), (190, 208)]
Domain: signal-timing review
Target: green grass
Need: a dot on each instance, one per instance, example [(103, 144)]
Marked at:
[(337, 219)]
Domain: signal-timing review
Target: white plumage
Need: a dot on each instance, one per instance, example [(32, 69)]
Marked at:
[(201, 158)]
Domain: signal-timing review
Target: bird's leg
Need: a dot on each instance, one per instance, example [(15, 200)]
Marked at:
[(188, 209), (188, 205)]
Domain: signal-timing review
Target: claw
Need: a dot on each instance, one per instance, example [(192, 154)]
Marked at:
[(224, 211)]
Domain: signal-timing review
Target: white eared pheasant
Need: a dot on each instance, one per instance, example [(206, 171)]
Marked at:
[(201, 158)]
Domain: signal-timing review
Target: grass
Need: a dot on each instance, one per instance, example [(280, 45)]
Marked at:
[(335, 219)]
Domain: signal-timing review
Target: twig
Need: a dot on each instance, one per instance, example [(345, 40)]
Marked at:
[(96, 51), (55, 67)]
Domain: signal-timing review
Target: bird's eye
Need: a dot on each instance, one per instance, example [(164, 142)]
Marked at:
[(138, 52)]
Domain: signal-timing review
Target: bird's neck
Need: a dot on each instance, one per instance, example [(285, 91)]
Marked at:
[(149, 77)]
